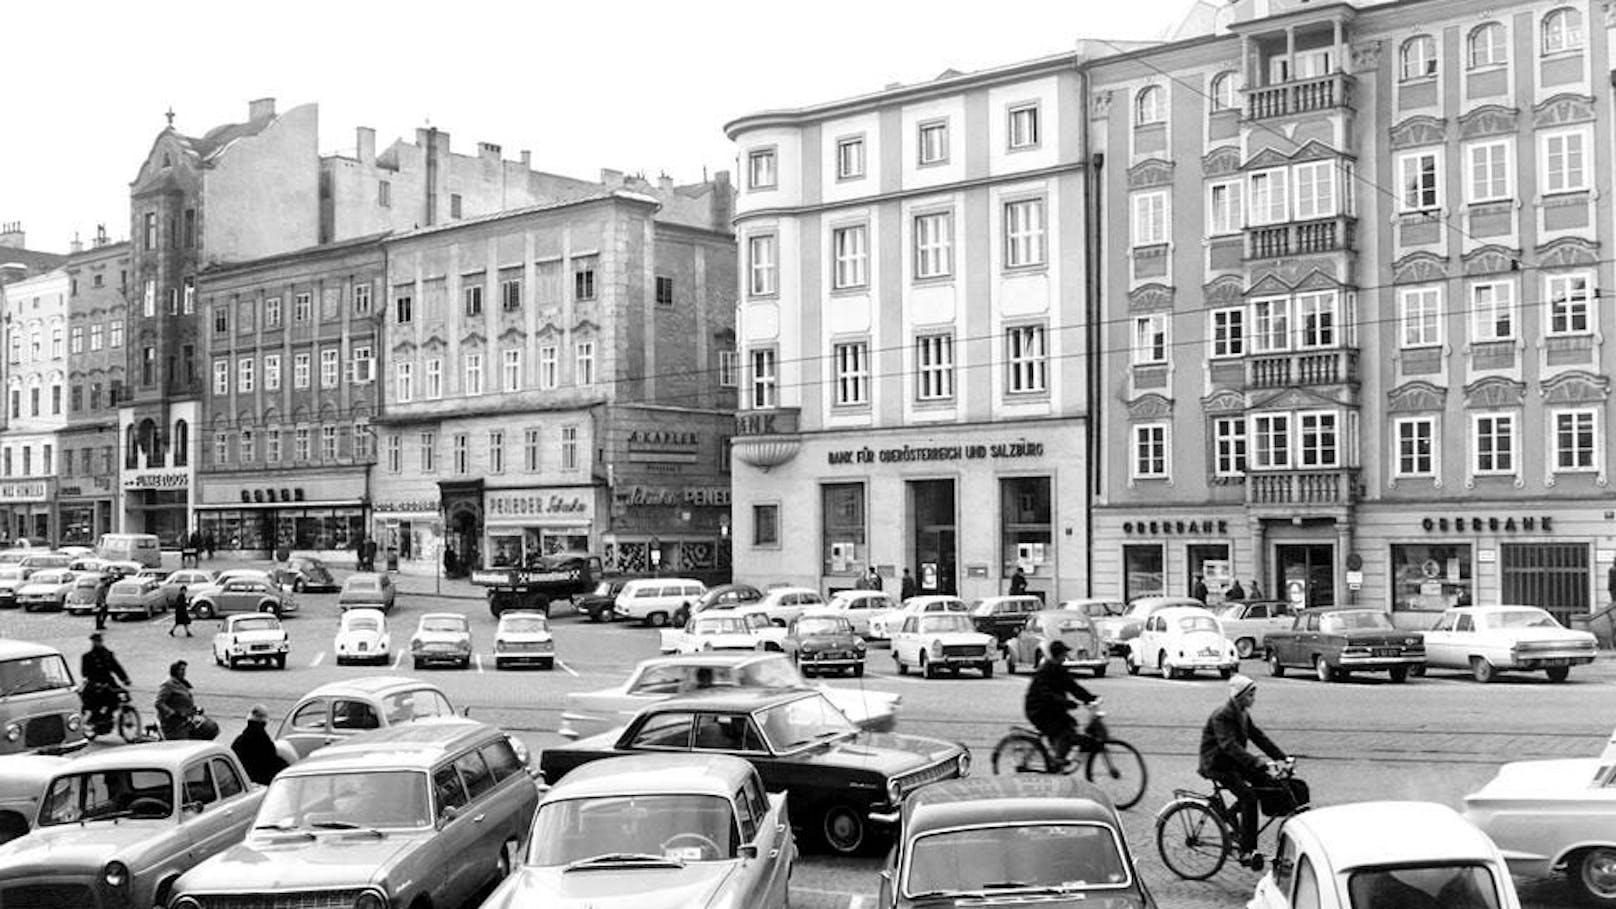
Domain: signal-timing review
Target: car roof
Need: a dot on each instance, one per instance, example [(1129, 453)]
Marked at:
[(244, 616), (373, 685), (1326, 610), (1392, 832), (1005, 598), (733, 700), (645, 581), (641, 774), (147, 754), (1068, 615), (1173, 612), (1159, 602), (774, 590), (15, 650), (417, 744), (820, 612), (1005, 800), (519, 614), (364, 613), (708, 659)]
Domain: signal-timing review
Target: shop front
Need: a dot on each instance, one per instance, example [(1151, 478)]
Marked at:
[(29, 509), (84, 509), (670, 529), (1162, 551), (158, 500), (250, 516), (409, 535), (520, 525)]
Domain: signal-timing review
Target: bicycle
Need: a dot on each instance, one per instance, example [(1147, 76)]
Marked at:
[(1195, 832), (1113, 765), (121, 717)]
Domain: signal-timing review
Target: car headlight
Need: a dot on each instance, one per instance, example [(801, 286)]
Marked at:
[(936, 648), (463, 645), (73, 722), (415, 644), (116, 874), (13, 731), (187, 902), (499, 646), (894, 791), (809, 648), (858, 644), (367, 899)]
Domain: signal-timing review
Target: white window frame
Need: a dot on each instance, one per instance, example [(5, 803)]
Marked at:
[(246, 367), (1562, 31), (301, 446), (532, 442), (1492, 53), (221, 376), (1419, 317), (764, 369), (1150, 106), (1227, 329), (850, 161), (1492, 302), (403, 382), (1318, 439), (1419, 189), (1317, 316), (1150, 339), (1025, 233), (1510, 448), (850, 256), (549, 366), (1489, 171), (1268, 197), (931, 142), (1578, 458), (1026, 359), (1023, 128), (272, 312), (1417, 59), (1407, 434), (496, 451), (473, 374), (934, 367), (569, 448), (1225, 207), (510, 369), (364, 364), (302, 308), (934, 245), (1269, 330), (1150, 218), (1570, 299), (729, 368), (460, 454), (1314, 190), (762, 169), (1152, 451), (583, 363), (1225, 91), (272, 372), (1229, 446), (249, 450), (1563, 157), (330, 367), (427, 451), (300, 371), (434, 379), (1269, 442), (850, 367), (361, 298), (763, 264), (328, 443)]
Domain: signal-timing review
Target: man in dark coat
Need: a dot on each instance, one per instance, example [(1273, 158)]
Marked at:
[(1018, 582), (1198, 591), (1236, 592), (175, 705), (908, 588), (256, 749), (102, 675), (1046, 703), (1225, 759)]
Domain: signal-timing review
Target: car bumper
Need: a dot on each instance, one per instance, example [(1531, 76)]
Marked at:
[(524, 656), (261, 652), (36, 602), (132, 609), (1372, 663), (440, 656), (355, 653), (1085, 665), (1191, 664), (839, 662), (1549, 660)]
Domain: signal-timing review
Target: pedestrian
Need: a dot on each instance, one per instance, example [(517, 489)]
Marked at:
[(1255, 592), (1235, 592), (182, 613), (1018, 582), (1613, 583), (207, 543), (101, 604), (175, 705), (370, 554), (908, 588), (1198, 591), (102, 675), (256, 749), (872, 581)]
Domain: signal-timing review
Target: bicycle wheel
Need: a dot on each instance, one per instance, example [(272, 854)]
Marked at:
[(1119, 770), (1192, 840), (1018, 753), (128, 724)]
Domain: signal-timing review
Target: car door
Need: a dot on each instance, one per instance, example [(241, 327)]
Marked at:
[(453, 851), (1147, 644), (307, 727), (903, 643), (209, 821), (764, 877), (1441, 649)]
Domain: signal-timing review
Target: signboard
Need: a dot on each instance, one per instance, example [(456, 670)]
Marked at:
[(767, 422), (1354, 580), (673, 495), (575, 504), (656, 446), (158, 478), (518, 577), (25, 491), (407, 506)]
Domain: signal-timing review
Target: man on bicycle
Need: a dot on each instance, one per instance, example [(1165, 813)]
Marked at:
[(1225, 760), (102, 673), (1047, 705)]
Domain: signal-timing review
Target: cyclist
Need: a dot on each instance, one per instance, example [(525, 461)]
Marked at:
[(1047, 705), (102, 673), (1226, 761)]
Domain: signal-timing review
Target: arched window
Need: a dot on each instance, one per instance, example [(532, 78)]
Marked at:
[(132, 449), (1562, 31), (149, 444), (182, 443), (1150, 105), (1225, 91), (1487, 45), (1418, 58)]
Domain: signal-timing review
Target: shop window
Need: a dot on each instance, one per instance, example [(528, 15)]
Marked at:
[(1143, 572), (1431, 578), (1026, 529), (844, 547)]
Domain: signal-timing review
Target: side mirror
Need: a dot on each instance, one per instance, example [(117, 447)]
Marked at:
[(748, 851)]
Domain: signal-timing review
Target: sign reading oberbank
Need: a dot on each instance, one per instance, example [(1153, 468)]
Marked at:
[(158, 478)]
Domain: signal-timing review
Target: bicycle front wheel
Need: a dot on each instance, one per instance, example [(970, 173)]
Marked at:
[(1118, 769), (129, 724), (1018, 753), (1192, 840)]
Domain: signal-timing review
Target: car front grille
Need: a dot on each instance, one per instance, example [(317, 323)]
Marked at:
[(47, 896), (296, 899), (942, 770), (50, 729), (964, 651)]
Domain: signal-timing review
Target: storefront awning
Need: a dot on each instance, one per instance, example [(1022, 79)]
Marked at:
[(260, 506)]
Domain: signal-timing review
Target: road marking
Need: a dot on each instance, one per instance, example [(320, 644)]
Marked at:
[(477, 659), (570, 670), (318, 659), (855, 902), (398, 659)]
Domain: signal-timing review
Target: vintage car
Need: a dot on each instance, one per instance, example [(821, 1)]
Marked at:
[(89, 589), (11, 577), (931, 642), (821, 641), (367, 590), (1030, 646), (861, 607), (45, 590), (524, 639), (840, 780), (593, 712), (1097, 608), (1335, 642), (118, 827), (656, 831), (718, 629), (1487, 640), (39, 703), (441, 637), (1004, 617), (338, 710), (40, 560), (1117, 633), (1555, 816), (86, 563), (1020, 840), (229, 574), (300, 573), (1248, 622), (1179, 641), (655, 601), (121, 568), (254, 637), (242, 594), (426, 814), (362, 636), (1385, 855), (188, 579), (723, 596), (597, 603), (131, 597), (20, 788), (782, 604), (882, 626)]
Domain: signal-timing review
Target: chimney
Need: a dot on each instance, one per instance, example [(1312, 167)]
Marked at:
[(611, 179), (665, 183), (527, 159), (101, 236), (488, 151), (723, 201), (12, 236), (260, 109), (365, 142), (77, 246)]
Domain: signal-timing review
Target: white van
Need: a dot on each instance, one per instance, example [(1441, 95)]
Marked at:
[(130, 547), (654, 600)]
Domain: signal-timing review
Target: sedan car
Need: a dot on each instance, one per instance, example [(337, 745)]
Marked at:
[(251, 636), (1023, 840), (597, 603), (1247, 623), (335, 711), (131, 596), (39, 703), (723, 596), (1399, 855), (11, 577), (524, 639), (20, 788), (302, 573), (654, 680), (823, 641), (782, 604), (1030, 646), (1490, 639), (190, 580), (663, 831), (367, 590), (1336, 642), (933, 641), (882, 626), (1179, 640), (1003, 617), (441, 637), (45, 590), (362, 636), (243, 594), (862, 607), (839, 780), (719, 629)]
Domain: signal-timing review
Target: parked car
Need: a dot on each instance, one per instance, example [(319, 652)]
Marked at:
[(1490, 639), (822, 641), (441, 637), (89, 589), (231, 574), (719, 629), (20, 789), (1248, 622), (1116, 635), (12, 576), (782, 604), (251, 636), (119, 826), (190, 579), (425, 814), (242, 594), (524, 638), (335, 711), (1178, 641), (39, 560), (45, 590), (86, 563), (1030, 646), (655, 601), (1336, 642), (723, 596), (663, 831), (1367, 855), (133, 596), (1040, 840), (39, 702), (367, 590), (593, 712), (121, 568), (1004, 617), (839, 781), (362, 635), (934, 641), (302, 573), (861, 607), (1096, 608), (882, 626), (597, 604), (142, 548)]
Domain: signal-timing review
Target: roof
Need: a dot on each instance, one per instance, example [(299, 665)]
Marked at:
[(553, 205), (1005, 800), (34, 262), (1386, 833), (148, 754), (372, 685), (705, 774), (1064, 615), (16, 650), (736, 700), (418, 743)]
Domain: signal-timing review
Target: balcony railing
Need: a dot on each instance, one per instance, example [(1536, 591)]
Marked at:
[(1301, 238), (1302, 367), (1299, 97), (1302, 487)]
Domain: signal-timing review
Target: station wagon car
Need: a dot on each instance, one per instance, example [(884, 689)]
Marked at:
[(367, 590), (1248, 623), (1030, 646), (46, 590), (441, 637), (717, 629), (132, 597), (1487, 640), (118, 827), (664, 831), (362, 635), (1004, 617), (840, 781), (782, 604), (425, 814), (20, 788), (524, 638), (655, 601), (822, 641), (931, 642), (243, 594), (1336, 642), (191, 579), (256, 637), (39, 703), (336, 711), (1177, 641), (883, 626)]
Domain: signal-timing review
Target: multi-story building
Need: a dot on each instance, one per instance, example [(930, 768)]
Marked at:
[(97, 322), (17, 261), (913, 320), (555, 379), (35, 323), (1352, 270)]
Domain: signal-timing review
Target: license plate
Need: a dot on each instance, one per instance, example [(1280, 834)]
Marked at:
[(260, 646), (1386, 651), (1208, 652), (1557, 661)]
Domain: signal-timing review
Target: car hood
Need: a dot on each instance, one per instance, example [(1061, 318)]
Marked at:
[(40, 588), (957, 638), (614, 887), (836, 641), (1390, 636), (11, 583), (1074, 901), (74, 846), (362, 596), (887, 753), (295, 860), (441, 637), (1564, 778)]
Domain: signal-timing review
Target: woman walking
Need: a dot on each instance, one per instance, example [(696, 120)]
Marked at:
[(182, 614)]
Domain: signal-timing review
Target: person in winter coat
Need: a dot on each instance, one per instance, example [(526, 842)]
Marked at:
[(175, 705), (256, 749), (1047, 703), (182, 613), (1225, 758)]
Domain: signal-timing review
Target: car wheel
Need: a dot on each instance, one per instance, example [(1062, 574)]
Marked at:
[(902, 669), (1225, 673), (417, 663), (203, 610), (298, 586), (273, 609), (1275, 667), (1245, 647), (858, 671), (231, 661), (1009, 663), (842, 828), (1099, 671), (657, 619), (1167, 672), (1130, 664), (1399, 673), (280, 661), (1558, 673), (987, 669), (1482, 670), (219, 660), (926, 668), (1321, 668), (1593, 874)]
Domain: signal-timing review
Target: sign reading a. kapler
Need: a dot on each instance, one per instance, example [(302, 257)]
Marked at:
[(25, 491), (574, 504), (158, 478)]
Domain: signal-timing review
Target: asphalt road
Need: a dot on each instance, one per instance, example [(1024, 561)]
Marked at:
[(1433, 739)]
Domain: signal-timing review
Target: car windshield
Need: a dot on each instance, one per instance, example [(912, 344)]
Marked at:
[(1025, 857), (363, 623), (1356, 620), (88, 581), (945, 606), (1067, 623), (528, 624), (390, 798), (364, 584), (1191, 623), (603, 589), (451, 624), (256, 623), (1230, 610), (802, 721), (1518, 618), (823, 625), (45, 672), (685, 828), (944, 624), (105, 794), (559, 562), (1453, 886), (774, 672), (720, 625)]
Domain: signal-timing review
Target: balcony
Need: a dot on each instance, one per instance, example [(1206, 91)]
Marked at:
[(1302, 238), (1322, 93), (1303, 367), (1302, 488)]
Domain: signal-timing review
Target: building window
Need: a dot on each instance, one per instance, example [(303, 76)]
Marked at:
[(1024, 126), (454, 205), (302, 308), (1565, 162), (1027, 359), (1575, 439), (1316, 319), (330, 358), (1570, 304), (361, 298), (1421, 317), (148, 365), (188, 298), (761, 171), (530, 449), (1224, 212), (1150, 450), (1269, 197), (221, 320), (76, 339), (729, 368), (1226, 91), (384, 194), (1416, 447), (328, 443), (221, 448), (1150, 339), (763, 379), (1489, 167), (569, 448), (77, 398), (842, 546), (148, 302), (511, 369), (1494, 443), (549, 366), (1150, 106), (766, 525), (272, 372), (364, 364), (932, 142), (1229, 332), (584, 363), (428, 452), (56, 351), (1271, 441), (33, 401), (404, 305), (1493, 307), (934, 367), (510, 294), (583, 280), (1487, 45), (1026, 535), (473, 296), (244, 374), (1149, 219), (496, 451), (395, 453), (1229, 446), (300, 443), (474, 374), (434, 379), (221, 377), (1319, 445), (850, 158), (851, 363), (1419, 179), (664, 290), (760, 257), (95, 340), (934, 245), (1315, 190), (1418, 58), (249, 451), (272, 312), (1562, 31), (300, 371), (148, 235), (56, 399), (1270, 324), (461, 454), (404, 382), (1024, 233), (362, 435), (852, 251)]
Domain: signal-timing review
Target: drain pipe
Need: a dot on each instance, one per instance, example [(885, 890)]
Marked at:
[(1094, 293)]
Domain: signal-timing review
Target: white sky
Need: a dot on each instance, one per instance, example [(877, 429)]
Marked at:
[(632, 84)]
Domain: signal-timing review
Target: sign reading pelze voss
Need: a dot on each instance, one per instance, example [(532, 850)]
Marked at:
[(162, 478)]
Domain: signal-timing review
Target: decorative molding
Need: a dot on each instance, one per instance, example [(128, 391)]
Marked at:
[(1100, 106), (1150, 172), (1293, 399), (1314, 150), (1227, 289), (1575, 387), (1562, 109), (1417, 397), (1268, 285), (1366, 56), (405, 348), (583, 326), (1268, 157), (473, 337), (1494, 392), (1150, 407), (1223, 401), (1221, 161), (1491, 259), (1152, 296), (434, 341), (510, 335), (1421, 129), (1419, 268), (1284, 275), (1317, 279), (1489, 120), (1567, 252)]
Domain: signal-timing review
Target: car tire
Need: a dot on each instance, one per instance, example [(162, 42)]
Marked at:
[(1482, 670), (1399, 674), (1130, 664), (1009, 663), (1558, 673), (1099, 671), (657, 619), (1321, 668), (987, 669), (902, 669), (927, 670), (1275, 667), (219, 660), (273, 609), (417, 663), (1245, 648), (498, 664), (858, 671), (1167, 672), (1592, 873), (298, 586), (843, 829), (1225, 673), (202, 610), (280, 661), (231, 662)]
